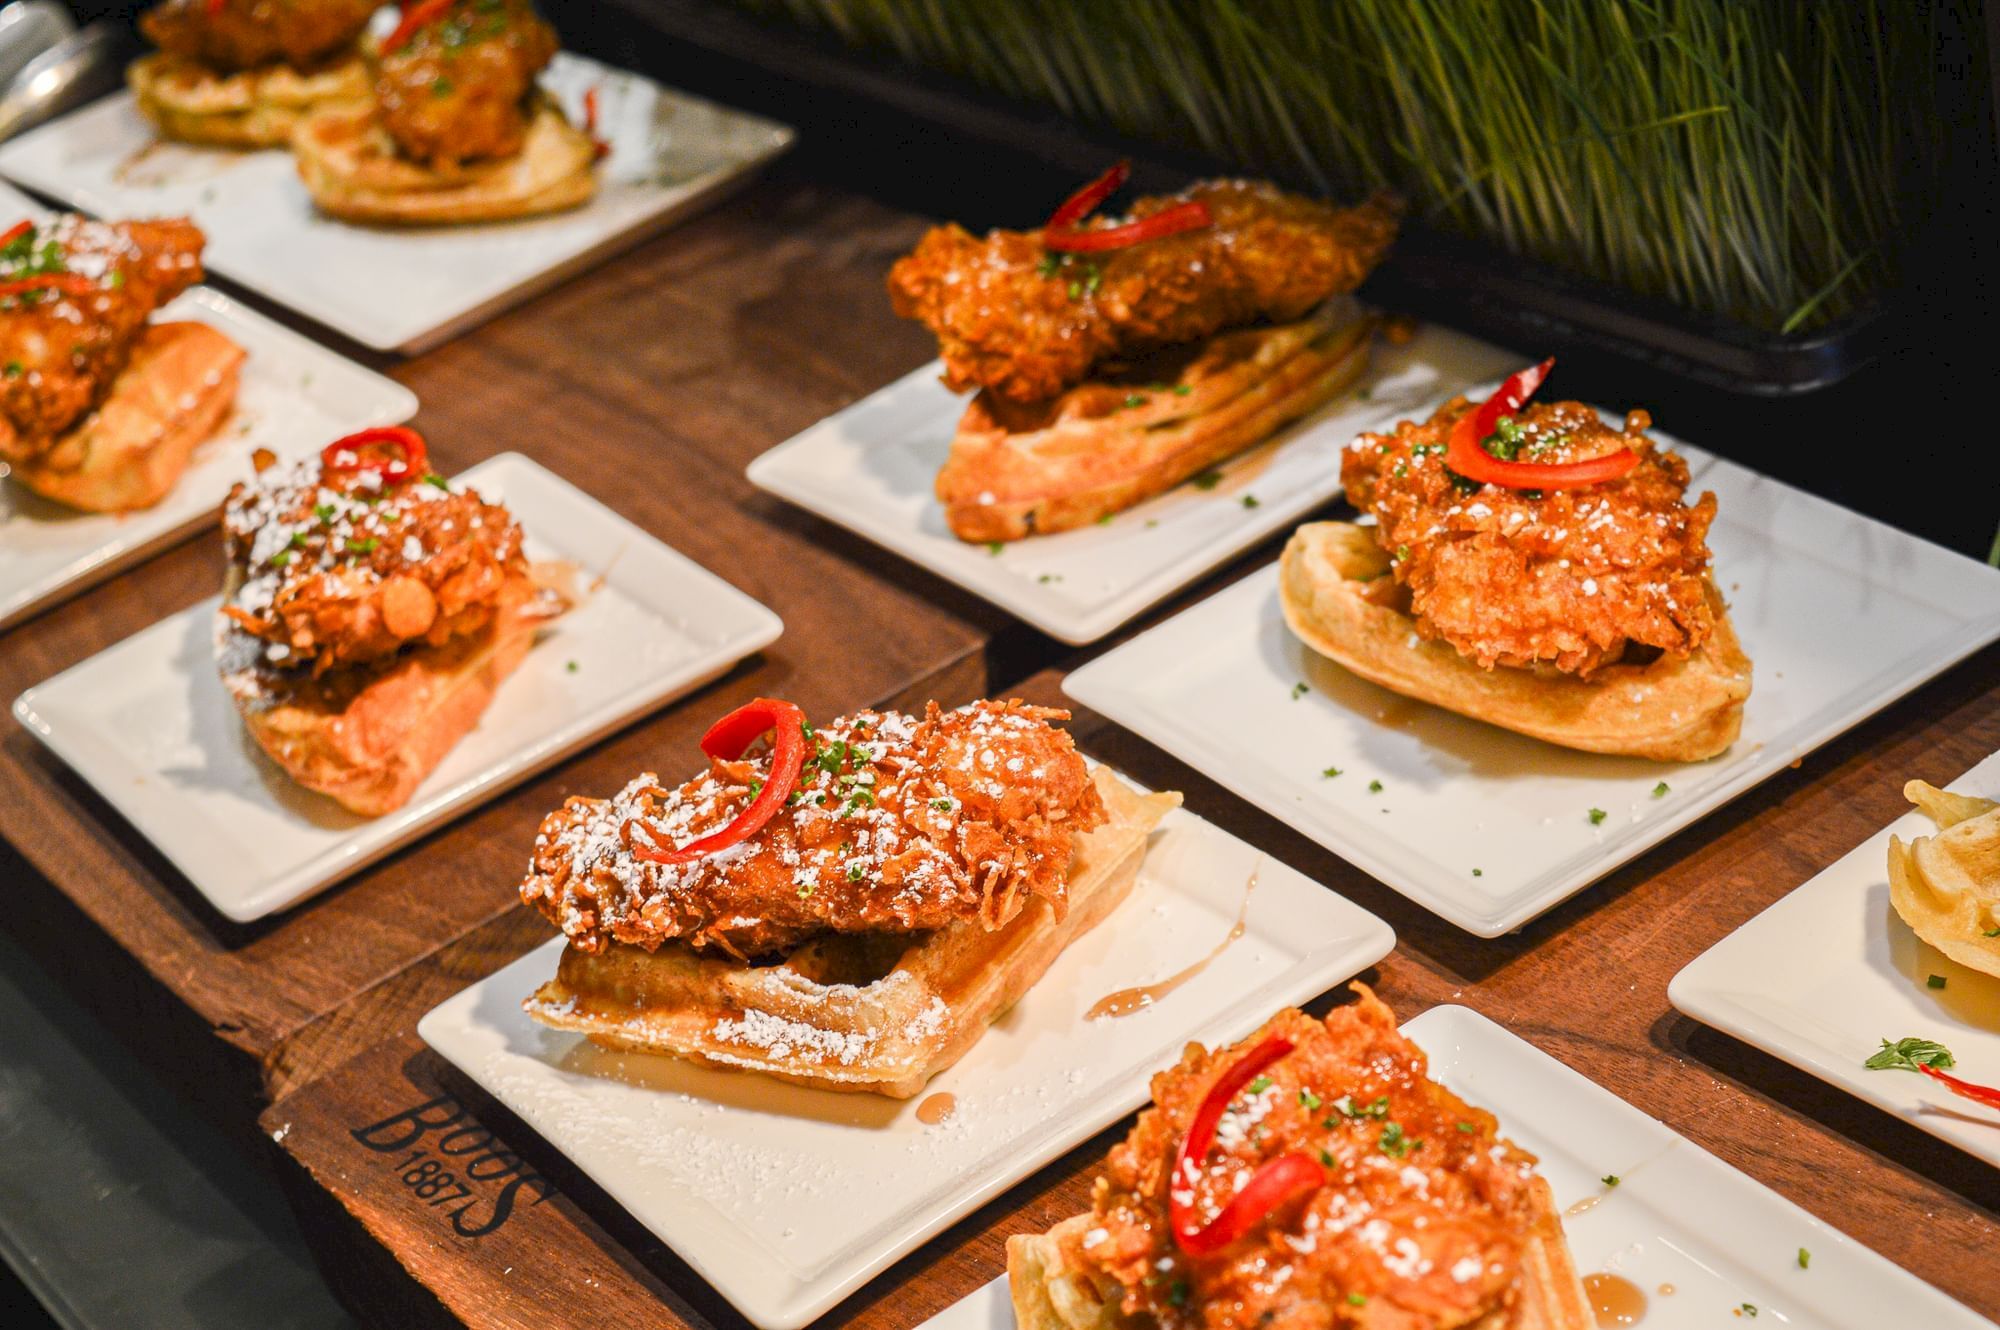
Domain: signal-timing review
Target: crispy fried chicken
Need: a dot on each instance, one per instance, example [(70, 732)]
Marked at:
[(61, 349), (1012, 316), (458, 90), (897, 825), (244, 34), (1422, 1221), (1572, 579), (343, 568)]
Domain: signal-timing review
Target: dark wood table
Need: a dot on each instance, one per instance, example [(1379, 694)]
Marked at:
[(650, 383), (1586, 983)]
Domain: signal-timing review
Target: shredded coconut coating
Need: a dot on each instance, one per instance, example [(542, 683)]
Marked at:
[(897, 825), (1566, 578), (1423, 1220), (342, 568)]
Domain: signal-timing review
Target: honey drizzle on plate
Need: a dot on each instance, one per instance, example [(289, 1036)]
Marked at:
[(1128, 1000), (1615, 1300), (937, 1108)]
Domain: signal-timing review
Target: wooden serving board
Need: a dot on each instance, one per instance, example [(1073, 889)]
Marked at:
[(649, 383), (562, 1245)]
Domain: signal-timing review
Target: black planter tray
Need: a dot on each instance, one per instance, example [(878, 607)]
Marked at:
[(1448, 278)]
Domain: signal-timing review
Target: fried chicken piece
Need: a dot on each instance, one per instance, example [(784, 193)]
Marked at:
[(897, 825), (1013, 316), (1422, 1222), (458, 90), (244, 34), (61, 350), (1572, 579), (343, 568)]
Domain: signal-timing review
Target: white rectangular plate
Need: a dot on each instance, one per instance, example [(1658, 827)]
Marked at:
[(870, 468), (295, 398), (148, 724), (1827, 973), (1839, 614), (400, 289), (1679, 1217), (787, 1199)]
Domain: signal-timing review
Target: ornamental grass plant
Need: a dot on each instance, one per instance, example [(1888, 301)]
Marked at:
[(1757, 162)]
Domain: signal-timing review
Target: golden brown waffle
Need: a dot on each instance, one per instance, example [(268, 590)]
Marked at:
[(174, 393), (367, 736), (1105, 445), (353, 171), (255, 108), (865, 1012), (1671, 710), (1052, 1291)]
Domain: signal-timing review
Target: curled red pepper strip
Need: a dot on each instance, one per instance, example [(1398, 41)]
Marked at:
[(726, 741), (602, 148), (1275, 1182), (15, 232), (351, 453), (415, 18), (1979, 1094), (1088, 199), (67, 282), (1465, 452), (1190, 216), (1064, 231)]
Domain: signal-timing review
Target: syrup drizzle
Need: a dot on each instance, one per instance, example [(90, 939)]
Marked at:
[(1128, 1000)]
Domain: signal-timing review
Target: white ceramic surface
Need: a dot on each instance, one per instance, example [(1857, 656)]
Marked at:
[(870, 468), (1839, 614), (408, 289), (295, 398), (1678, 1217), (787, 1199), (1823, 976), (148, 725)]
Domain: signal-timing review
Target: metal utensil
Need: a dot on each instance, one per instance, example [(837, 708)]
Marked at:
[(80, 67)]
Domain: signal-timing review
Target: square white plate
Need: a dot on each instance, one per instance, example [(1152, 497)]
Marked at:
[(870, 468), (295, 397), (401, 289), (1839, 614), (1679, 1217), (787, 1199), (148, 724), (1827, 973)]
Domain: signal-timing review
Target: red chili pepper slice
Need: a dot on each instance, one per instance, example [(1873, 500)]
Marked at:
[(1275, 1182), (590, 123), (1064, 231), (15, 232), (352, 452), (726, 741), (415, 17), (1190, 216), (1465, 455), (1979, 1094), (215, 7), (1087, 200), (67, 282)]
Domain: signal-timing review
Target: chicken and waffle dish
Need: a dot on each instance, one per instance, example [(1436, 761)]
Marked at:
[(1112, 360), (245, 73), (1531, 566), (371, 609), (454, 128), (1311, 1177), (845, 906), (101, 408)]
